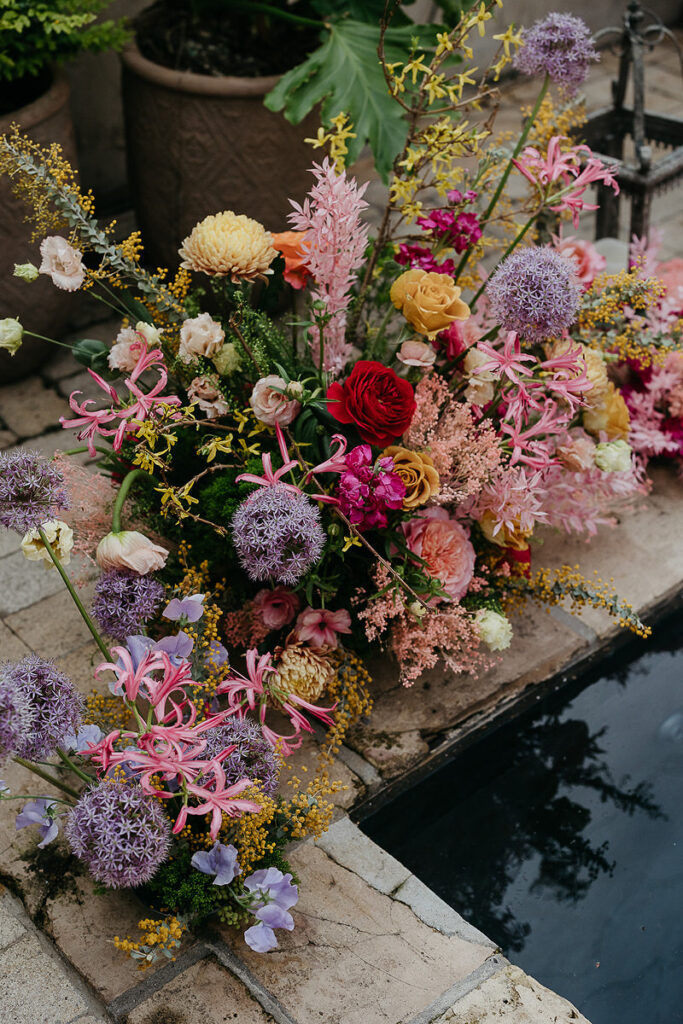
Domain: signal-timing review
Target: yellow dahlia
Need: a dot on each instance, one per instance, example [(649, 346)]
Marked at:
[(305, 671), (229, 244)]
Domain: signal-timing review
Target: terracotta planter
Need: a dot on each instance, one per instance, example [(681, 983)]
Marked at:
[(199, 144), (39, 306)]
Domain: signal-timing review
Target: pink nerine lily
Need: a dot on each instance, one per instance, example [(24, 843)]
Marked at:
[(269, 477)]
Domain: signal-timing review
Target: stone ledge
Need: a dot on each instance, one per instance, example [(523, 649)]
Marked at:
[(509, 997)]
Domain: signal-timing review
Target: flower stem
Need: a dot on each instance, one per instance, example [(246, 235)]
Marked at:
[(76, 599), (47, 777), (73, 767), (121, 497)]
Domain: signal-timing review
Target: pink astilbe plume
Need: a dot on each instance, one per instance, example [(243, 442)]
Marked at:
[(512, 499), (92, 497), (335, 244), (581, 502), (465, 453)]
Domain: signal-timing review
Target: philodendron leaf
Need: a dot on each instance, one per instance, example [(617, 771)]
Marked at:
[(344, 74)]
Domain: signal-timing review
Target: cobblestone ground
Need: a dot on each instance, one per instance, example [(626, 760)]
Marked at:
[(372, 945)]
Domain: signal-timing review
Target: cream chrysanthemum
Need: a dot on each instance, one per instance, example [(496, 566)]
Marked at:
[(228, 244), (305, 671)]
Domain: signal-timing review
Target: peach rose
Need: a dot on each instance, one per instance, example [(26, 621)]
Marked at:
[(578, 454), (445, 547), (416, 353), (417, 472), (610, 416), (62, 263), (200, 336), (210, 399), (428, 301), (270, 405), (588, 262), (129, 549)]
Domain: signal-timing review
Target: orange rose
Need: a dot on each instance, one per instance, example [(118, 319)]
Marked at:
[(417, 472), (610, 416), (428, 301), (290, 245)]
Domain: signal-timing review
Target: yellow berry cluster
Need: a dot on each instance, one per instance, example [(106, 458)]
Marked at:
[(159, 936), (603, 322), (552, 586), (107, 712)]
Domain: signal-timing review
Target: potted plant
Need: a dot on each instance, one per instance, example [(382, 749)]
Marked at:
[(204, 83), (35, 37)]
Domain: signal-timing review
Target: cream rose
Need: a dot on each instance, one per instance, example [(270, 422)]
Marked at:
[(121, 355), (60, 538), (428, 301), (200, 336), (270, 405), (62, 263)]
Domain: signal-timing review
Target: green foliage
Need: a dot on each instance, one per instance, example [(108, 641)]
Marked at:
[(344, 74), (177, 887), (37, 33), (268, 345)]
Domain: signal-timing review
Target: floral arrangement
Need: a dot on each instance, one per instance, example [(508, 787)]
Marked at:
[(336, 444)]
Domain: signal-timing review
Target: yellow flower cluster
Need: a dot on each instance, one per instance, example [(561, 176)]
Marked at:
[(602, 323), (350, 691), (160, 936), (108, 712), (552, 120), (335, 139)]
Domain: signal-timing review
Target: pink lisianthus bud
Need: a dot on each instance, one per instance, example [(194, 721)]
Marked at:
[(62, 263), (276, 607), (319, 626), (130, 550), (270, 404), (416, 353)]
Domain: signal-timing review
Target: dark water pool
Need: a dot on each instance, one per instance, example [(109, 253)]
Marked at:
[(560, 835)]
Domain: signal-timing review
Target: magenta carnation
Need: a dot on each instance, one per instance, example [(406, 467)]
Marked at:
[(368, 489)]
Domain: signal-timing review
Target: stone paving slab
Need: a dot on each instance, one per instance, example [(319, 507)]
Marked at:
[(30, 408), (53, 626), (512, 997)]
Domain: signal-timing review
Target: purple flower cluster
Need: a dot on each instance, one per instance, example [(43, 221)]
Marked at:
[(458, 231), (124, 601), (31, 490), (369, 488), (55, 706), (272, 896), (535, 292), (16, 715), (560, 46), (277, 534), (422, 258), (253, 757), (121, 834)]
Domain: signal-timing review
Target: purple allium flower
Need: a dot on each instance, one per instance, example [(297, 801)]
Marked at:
[(277, 534), (369, 488), (253, 757), (559, 45), (31, 490), (535, 292), (272, 895), (120, 833), (39, 812), (220, 861), (16, 715), (124, 601), (190, 608), (55, 704)]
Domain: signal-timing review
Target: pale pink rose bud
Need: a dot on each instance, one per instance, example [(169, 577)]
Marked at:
[(130, 550), (200, 336), (272, 406), (276, 607), (578, 454), (210, 399), (62, 263), (416, 353)]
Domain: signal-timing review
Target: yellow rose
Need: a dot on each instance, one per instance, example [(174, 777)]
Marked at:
[(417, 472), (516, 539), (610, 416), (428, 301)]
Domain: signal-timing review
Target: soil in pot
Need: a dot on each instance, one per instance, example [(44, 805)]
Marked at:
[(39, 306)]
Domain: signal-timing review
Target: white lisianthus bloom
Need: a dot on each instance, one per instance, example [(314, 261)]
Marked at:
[(494, 629), (613, 456), (11, 334)]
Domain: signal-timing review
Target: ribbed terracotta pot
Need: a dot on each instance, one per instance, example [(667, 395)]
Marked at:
[(39, 306), (199, 144)]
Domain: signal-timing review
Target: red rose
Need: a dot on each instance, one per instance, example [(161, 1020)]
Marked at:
[(379, 402)]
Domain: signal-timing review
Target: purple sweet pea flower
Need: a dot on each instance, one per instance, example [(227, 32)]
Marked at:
[(88, 734), (217, 654), (37, 812), (178, 647), (260, 938), (220, 861), (189, 608)]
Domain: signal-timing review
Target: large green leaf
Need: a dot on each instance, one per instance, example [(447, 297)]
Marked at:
[(344, 74)]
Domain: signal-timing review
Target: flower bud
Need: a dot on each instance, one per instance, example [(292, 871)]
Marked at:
[(26, 271), (60, 538), (613, 456), (130, 550), (227, 359), (494, 629), (149, 332), (11, 333)]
